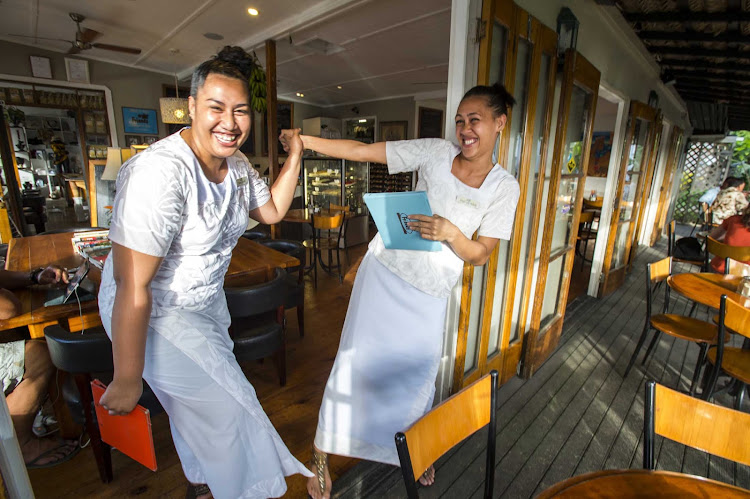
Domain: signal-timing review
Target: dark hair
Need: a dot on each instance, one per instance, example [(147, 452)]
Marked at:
[(733, 182), (498, 98), (233, 62)]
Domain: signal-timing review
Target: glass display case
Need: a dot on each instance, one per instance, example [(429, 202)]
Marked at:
[(329, 181)]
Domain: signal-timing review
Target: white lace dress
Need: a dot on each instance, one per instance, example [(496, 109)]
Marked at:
[(166, 207), (383, 378)]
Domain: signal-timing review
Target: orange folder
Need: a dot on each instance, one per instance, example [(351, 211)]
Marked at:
[(129, 434)]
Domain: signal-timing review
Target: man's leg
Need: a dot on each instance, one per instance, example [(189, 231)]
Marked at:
[(24, 402)]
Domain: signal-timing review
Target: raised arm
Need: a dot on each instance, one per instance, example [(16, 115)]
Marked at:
[(339, 148), (133, 273)]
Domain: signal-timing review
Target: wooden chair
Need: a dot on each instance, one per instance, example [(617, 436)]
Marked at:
[(336, 208), (717, 248), (326, 237), (295, 285), (678, 326), (733, 361), (670, 248), (257, 314), (446, 425), (733, 267), (585, 234), (693, 422)]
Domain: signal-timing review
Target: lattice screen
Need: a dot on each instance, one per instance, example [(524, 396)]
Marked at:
[(705, 167)]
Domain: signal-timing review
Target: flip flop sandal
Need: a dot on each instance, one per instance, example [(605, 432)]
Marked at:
[(59, 450), (195, 490)]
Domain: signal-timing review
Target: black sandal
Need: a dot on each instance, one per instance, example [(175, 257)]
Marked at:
[(195, 490)]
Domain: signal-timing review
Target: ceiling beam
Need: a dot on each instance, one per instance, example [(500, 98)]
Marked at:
[(704, 97), (729, 77), (704, 64), (713, 84), (687, 17), (713, 90), (700, 52), (693, 36)]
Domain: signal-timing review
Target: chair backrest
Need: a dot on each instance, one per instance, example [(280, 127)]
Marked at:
[(249, 301), (286, 246), (327, 222), (670, 237), (586, 217), (693, 422), (733, 316), (338, 207), (657, 272), (446, 425), (78, 353), (717, 248)]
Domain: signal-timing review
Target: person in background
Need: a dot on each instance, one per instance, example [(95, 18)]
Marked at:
[(707, 199), (180, 208), (26, 371), (730, 201), (734, 231), (383, 378)]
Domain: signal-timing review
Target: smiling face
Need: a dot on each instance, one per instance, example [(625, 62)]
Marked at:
[(477, 127), (221, 117)]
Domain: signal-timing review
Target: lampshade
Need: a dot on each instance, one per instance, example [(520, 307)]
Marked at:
[(174, 110), (114, 162)]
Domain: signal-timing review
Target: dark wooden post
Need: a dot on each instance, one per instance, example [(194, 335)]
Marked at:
[(271, 104), (14, 202)]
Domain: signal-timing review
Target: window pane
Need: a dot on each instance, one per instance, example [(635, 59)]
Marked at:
[(519, 110), (618, 257), (564, 213), (497, 53), (475, 315), (552, 289), (635, 160)]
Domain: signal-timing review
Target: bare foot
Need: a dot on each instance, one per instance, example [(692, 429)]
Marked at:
[(45, 452), (314, 483), (428, 477)]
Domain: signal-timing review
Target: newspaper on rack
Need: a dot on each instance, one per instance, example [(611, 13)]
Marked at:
[(92, 245)]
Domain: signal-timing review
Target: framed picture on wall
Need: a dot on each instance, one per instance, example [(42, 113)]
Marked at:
[(601, 149), (150, 139), (132, 140), (430, 123), (393, 130), (77, 70), (137, 120)]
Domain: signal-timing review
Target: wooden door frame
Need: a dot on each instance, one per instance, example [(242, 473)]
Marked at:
[(612, 279), (539, 343), (675, 138)]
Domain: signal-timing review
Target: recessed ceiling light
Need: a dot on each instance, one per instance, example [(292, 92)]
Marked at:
[(213, 36), (339, 87), (363, 121), (252, 11), (300, 95)]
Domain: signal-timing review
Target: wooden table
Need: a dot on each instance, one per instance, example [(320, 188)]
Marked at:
[(251, 263), (626, 484), (706, 288)]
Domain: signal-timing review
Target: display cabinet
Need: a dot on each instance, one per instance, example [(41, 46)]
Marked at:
[(328, 181), (382, 181)]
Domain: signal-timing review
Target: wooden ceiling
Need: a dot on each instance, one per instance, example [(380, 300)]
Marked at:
[(704, 46)]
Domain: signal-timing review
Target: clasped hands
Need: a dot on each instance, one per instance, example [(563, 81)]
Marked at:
[(434, 228), (291, 141)]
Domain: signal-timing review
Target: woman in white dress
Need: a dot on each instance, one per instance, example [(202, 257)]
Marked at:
[(180, 208), (383, 378)]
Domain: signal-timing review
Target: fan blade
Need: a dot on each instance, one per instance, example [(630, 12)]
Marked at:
[(40, 38), (88, 35), (116, 48)]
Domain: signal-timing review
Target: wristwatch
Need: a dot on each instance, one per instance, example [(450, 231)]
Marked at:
[(34, 275)]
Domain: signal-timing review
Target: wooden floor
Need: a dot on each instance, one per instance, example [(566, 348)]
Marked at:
[(575, 415)]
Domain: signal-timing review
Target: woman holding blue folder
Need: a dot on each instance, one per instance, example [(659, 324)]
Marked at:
[(383, 378)]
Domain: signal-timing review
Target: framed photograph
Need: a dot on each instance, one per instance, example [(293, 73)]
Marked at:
[(136, 120), (40, 67), (430, 123), (77, 70), (150, 139), (133, 140), (393, 130), (601, 149)]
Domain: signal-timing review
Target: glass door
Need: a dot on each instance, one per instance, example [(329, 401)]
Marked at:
[(676, 141), (563, 182), (635, 160)]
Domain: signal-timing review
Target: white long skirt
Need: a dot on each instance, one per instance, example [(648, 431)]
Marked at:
[(383, 378), (221, 433)]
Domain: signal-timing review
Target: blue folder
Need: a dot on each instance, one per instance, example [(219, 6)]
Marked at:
[(391, 211)]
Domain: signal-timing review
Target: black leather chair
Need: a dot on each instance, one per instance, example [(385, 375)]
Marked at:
[(296, 291), (258, 321), (81, 355), (254, 235)]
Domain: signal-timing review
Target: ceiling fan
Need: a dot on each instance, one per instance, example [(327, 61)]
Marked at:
[(84, 39)]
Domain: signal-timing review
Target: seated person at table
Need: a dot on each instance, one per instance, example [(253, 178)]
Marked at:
[(26, 370), (734, 231), (730, 201)]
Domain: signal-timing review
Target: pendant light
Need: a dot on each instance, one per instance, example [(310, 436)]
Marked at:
[(174, 110)]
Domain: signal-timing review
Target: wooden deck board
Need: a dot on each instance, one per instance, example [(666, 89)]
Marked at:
[(576, 414)]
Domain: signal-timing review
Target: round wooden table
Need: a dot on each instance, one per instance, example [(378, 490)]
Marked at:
[(626, 484), (706, 288)]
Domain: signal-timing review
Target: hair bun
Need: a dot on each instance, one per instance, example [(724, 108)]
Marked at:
[(237, 57)]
